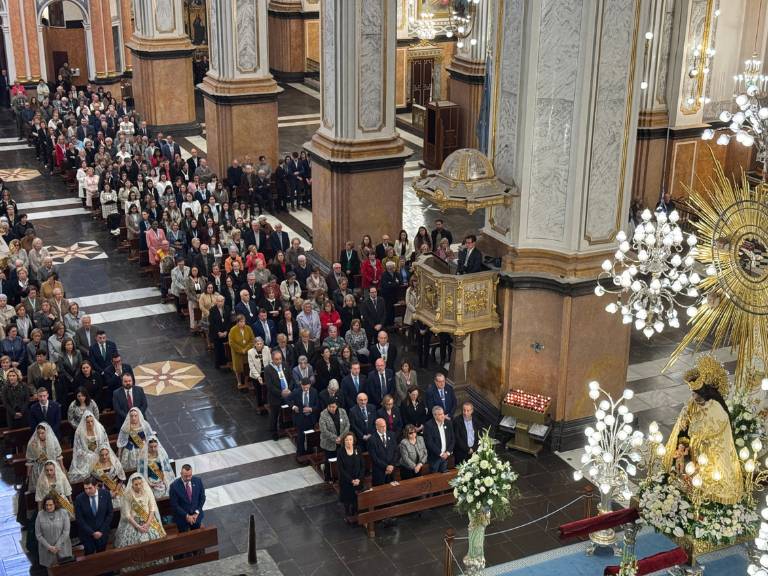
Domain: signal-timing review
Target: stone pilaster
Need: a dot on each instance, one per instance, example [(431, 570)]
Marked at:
[(287, 50), (238, 88), (467, 75), (162, 67), (126, 26), (358, 157)]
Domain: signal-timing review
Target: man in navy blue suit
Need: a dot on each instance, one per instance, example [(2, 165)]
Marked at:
[(113, 375), (441, 394), (126, 397), (101, 352), (351, 385), (305, 404), (247, 307), (362, 421), (439, 440), (45, 410), (187, 496), (384, 453), (380, 382), (93, 511), (264, 328)]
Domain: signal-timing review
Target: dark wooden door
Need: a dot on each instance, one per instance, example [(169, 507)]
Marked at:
[(421, 80), (58, 57)]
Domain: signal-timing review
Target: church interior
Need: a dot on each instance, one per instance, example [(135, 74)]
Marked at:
[(341, 287)]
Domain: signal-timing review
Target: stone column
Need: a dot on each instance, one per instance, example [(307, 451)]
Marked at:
[(564, 115), (126, 26), (467, 75), (162, 67), (8, 44), (358, 158), (286, 40), (240, 93), (32, 36)]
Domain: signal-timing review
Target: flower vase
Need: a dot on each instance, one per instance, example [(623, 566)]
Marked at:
[(474, 561)]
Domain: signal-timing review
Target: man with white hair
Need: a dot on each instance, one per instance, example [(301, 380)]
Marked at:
[(438, 437), (302, 271)]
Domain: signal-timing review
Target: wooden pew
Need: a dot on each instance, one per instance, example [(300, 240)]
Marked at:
[(15, 439), (112, 560), (413, 495)]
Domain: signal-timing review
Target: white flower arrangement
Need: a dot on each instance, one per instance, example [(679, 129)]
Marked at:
[(484, 482)]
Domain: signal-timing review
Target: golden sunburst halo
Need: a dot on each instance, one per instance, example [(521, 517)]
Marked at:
[(169, 377), (731, 222)]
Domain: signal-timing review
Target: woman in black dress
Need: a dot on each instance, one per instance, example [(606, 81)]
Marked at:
[(326, 369), (414, 410), (351, 475)]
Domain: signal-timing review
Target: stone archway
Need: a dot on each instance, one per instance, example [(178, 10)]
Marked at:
[(82, 6)]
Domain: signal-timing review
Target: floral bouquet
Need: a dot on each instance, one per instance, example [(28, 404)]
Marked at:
[(484, 483)]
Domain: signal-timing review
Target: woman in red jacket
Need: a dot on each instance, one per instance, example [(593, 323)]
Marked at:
[(371, 271), (328, 317)]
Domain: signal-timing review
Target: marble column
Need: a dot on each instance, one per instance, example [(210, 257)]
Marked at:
[(162, 67), (467, 75), (239, 90), (357, 156), (563, 122), (286, 40), (126, 27)]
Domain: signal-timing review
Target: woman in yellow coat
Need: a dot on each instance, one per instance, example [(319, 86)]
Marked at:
[(240, 341)]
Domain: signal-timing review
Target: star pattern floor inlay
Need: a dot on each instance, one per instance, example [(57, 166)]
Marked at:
[(169, 377), (85, 250)]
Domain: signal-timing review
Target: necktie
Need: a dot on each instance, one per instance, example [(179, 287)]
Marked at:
[(45, 410), (129, 398), (266, 333), (283, 383), (306, 398), (383, 385), (104, 351), (94, 505), (88, 336), (384, 439), (442, 397), (188, 487), (364, 410), (357, 384)]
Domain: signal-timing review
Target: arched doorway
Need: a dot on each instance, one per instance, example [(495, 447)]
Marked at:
[(64, 35)]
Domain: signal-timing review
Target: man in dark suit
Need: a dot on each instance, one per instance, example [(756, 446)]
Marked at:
[(350, 262), (247, 307), (234, 174), (351, 385), (93, 512), (85, 337), (381, 249), (470, 258), (382, 447), (45, 410), (374, 312), (380, 382), (126, 397), (113, 375), (101, 352), (187, 495), (264, 328), (218, 329), (439, 233), (279, 239), (441, 394), (277, 380), (193, 162), (169, 148), (334, 277), (289, 355), (383, 349), (305, 405), (362, 418), (252, 236), (438, 438), (466, 433)]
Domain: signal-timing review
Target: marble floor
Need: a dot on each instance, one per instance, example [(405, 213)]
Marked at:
[(212, 426)]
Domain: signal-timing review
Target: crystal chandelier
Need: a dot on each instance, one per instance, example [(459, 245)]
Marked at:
[(651, 273), (749, 125), (424, 27), (612, 452)]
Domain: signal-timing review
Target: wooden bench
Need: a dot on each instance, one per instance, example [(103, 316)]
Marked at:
[(413, 495), (19, 461), (15, 439), (172, 546)]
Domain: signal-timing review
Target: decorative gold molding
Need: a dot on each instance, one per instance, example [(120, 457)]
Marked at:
[(556, 263), (700, 77)]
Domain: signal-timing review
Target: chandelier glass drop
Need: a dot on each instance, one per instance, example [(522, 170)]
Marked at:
[(652, 274)]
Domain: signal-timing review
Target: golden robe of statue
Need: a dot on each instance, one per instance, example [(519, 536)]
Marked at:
[(707, 426)]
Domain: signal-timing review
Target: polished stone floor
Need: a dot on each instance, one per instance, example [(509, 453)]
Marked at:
[(298, 519)]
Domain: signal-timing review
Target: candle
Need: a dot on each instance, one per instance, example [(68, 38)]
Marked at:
[(527, 400)]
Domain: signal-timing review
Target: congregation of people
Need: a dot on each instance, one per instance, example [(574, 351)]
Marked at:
[(319, 345)]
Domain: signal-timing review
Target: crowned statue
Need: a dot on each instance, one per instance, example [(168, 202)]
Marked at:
[(703, 436)]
